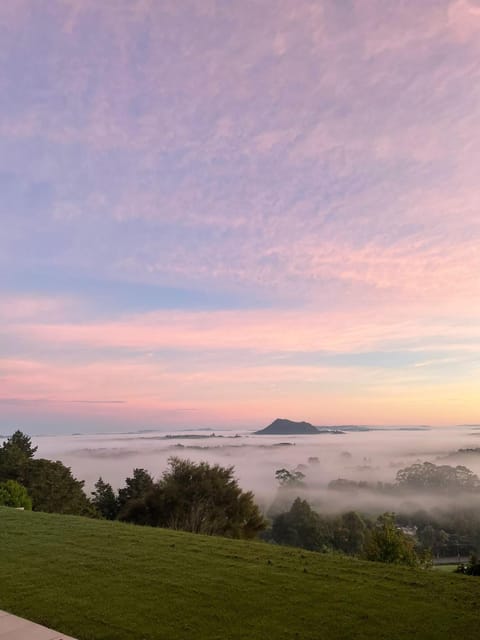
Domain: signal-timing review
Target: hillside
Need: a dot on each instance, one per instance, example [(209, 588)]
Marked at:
[(283, 427), (99, 580)]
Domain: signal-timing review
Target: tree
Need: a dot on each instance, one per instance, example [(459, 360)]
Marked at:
[(53, 488), (302, 527), (200, 498), (289, 479), (386, 543), (350, 486), (349, 533), (105, 500), (427, 476), (50, 485), (136, 487), (15, 454), (433, 539), (20, 441), (13, 494)]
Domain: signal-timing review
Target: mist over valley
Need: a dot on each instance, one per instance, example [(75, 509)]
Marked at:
[(367, 456)]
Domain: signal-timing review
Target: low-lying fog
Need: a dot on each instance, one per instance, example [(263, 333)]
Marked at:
[(371, 456)]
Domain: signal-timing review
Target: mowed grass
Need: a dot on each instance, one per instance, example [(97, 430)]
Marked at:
[(446, 568), (100, 580)]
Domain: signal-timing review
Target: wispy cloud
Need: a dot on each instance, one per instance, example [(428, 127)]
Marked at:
[(263, 177)]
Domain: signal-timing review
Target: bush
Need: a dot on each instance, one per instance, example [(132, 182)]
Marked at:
[(470, 569), (13, 494), (386, 543)]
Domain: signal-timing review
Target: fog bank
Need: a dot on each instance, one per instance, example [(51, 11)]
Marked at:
[(372, 456)]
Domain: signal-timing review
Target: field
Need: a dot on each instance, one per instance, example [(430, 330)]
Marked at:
[(99, 580)]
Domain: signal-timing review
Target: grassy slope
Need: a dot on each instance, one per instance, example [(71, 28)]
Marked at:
[(99, 580)]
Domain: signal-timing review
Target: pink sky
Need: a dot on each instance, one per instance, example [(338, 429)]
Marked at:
[(214, 214)]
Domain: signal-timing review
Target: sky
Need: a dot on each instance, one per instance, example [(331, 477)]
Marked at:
[(214, 213)]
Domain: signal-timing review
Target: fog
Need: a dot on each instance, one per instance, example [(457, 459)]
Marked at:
[(372, 456)]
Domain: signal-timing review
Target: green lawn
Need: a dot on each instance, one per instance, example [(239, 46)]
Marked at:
[(446, 568), (98, 580)]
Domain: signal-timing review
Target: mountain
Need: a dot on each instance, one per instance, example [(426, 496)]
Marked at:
[(283, 427)]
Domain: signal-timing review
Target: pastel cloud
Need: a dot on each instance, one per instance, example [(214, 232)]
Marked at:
[(261, 331), (152, 397), (311, 166), (238, 366)]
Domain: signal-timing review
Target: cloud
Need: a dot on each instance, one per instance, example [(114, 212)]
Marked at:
[(97, 401), (284, 331), (304, 172), (464, 20), (17, 308)]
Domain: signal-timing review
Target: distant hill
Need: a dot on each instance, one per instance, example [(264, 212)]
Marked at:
[(283, 427)]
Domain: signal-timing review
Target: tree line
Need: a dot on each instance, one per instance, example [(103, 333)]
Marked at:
[(351, 533), (195, 497), (411, 536)]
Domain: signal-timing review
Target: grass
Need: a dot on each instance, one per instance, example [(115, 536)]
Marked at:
[(446, 568), (99, 580)]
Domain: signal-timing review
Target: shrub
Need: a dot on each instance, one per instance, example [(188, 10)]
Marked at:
[(13, 494)]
